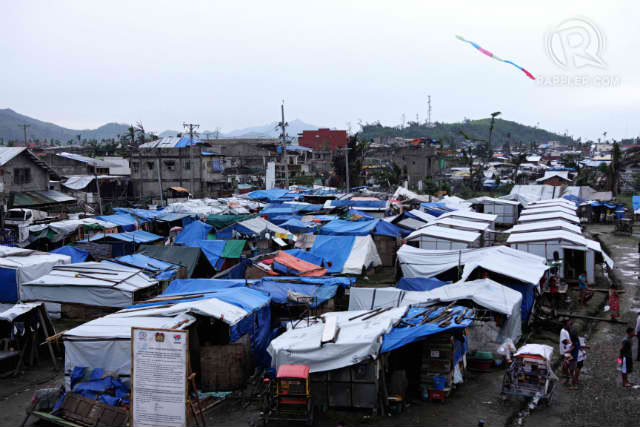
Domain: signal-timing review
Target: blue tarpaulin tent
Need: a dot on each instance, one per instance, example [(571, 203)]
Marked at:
[(399, 337), (124, 243), (124, 221), (334, 249), (419, 283), (307, 256), (296, 226), (77, 255), (193, 232), (160, 270), (200, 286), (354, 212), (528, 298), (341, 227), (212, 249), (270, 195), (368, 204)]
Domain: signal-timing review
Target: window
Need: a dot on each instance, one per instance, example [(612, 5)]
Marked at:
[(187, 165), (150, 165), (135, 167), (170, 165), (21, 176)]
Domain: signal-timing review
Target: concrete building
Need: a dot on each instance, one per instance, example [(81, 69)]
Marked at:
[(21, 170), (420, 162)]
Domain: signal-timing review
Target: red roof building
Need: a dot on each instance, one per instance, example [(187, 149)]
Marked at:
[(323, 139)]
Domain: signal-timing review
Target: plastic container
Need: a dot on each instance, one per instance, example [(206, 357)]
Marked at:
[(439, 382), (437, 395)]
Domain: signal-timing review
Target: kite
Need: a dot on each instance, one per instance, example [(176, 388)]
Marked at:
[(491, 55)]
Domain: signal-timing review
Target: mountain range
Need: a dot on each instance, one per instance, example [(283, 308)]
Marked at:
[(269, 130)]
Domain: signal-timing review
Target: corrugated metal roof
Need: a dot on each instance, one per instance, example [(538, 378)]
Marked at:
[(27, 199), (8, 153), (88, 160), (172, 142)]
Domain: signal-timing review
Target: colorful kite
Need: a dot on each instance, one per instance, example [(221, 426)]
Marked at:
[(491, 55)]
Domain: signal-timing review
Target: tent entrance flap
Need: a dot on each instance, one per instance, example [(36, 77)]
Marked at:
[(574, 260)]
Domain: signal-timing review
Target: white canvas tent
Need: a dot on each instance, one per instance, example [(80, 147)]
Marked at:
[(547, 209), (545, 226), (89, 283), (357, 340), (519, 265), (19, 266), (506, 210), (471, 216), (545, 243), (549, 216), (444, 238), (484, 292), (552, 202)]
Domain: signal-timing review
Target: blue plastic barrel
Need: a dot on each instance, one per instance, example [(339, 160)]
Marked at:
[(439, 382)]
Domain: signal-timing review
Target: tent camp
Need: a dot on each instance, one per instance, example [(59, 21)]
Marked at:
[(444, 238), (217, 316), (99, 284), (577, 253), (193, 260), (347, 254), (483, 292), (195, 231), (19, 266), (503, 260)]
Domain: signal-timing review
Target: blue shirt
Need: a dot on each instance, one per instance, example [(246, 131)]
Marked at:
[(582, 282)]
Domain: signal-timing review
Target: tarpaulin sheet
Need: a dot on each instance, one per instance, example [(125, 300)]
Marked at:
[(528, 298), (384, 228), (268, 195), (77, 255), (161, 270), (138, 236), (362, 215), (635, 200), (289, 264), (419, 283), (8, 285), (341, 227), (379, 204), (200, 286), (233, 248), (222, 221), (125, 221), (334, 249), (296, 226), (318, 281), (399, 337), (280, 219), (212, 249), (279, 292), (192, 259), (193, 232), (307, 256)]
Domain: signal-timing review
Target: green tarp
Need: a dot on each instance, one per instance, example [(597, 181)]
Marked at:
[(192, 259), (222, 221), (233, 248)]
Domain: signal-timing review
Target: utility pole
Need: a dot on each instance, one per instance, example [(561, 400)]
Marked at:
[(191, 127), (24, 128), (429, 111), (283, 144)]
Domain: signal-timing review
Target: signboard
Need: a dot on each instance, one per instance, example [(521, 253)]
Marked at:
[(159, 367)]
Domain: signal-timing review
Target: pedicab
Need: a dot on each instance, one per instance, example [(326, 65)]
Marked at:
[(289, 399), (530, 375)]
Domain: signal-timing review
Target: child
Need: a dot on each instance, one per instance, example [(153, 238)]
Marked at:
[(614, 302)]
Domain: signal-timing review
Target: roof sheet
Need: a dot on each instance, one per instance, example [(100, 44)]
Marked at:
[(445, 233), (470, 215), (8, 153)]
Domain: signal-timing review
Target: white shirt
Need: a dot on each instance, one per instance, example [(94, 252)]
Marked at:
[(638, 325), (564, 335)]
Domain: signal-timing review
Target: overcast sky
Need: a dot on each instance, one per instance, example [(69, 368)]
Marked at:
[(81, 64)]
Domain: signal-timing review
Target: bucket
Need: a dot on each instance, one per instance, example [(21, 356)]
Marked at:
[(439, 382)]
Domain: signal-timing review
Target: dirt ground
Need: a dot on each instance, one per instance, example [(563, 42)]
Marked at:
[(600, 400)]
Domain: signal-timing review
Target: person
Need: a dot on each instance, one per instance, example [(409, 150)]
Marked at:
[(582, 356), (574, 351), (553, 284), (565, 345), (637, 331), (582, 287), (626, 367), (614, 303)]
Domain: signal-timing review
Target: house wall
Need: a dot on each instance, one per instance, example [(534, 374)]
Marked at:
[(420, 162), (39, 176)]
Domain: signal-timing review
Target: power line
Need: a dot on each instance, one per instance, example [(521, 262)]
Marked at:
[(191, 127)]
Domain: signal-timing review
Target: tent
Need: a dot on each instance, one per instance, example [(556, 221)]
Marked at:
[(347, 254), (253, 227), (549, 216), (77, 255), (19, 266), (538, 210), (275, 194), (193, 232), (152, 267), (297, 226), (124, 243), (218, 251), (101, 284), (519, 265), (319, 290), (545, 226), (378, 227), (437, 237), (222, 221), (471, 216), (124, 221), (484, 292), (193, 260), (288, 264), (105, 342), (506, 210)]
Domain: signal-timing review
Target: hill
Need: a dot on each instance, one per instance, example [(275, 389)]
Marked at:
[(503, 131), (10, 129), (270, 131)]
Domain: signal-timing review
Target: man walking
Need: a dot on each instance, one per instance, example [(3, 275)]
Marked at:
[(565, 346), (626, 367)]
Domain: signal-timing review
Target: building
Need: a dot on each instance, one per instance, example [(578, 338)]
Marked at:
[(555, 178), (323, 139), (419, 162), (21, 170)]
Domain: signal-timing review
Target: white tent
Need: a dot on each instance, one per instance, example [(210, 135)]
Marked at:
[(89, 283), (19, 266), (461, 224), (422, 216), (484, 292), (436, 237), (549, 215), (552, 202), (545, 226), (545, 243), (363, 254), (522, 266), (471, 216), (356, 340), (412, 224), (506, 210), (547, 209)]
